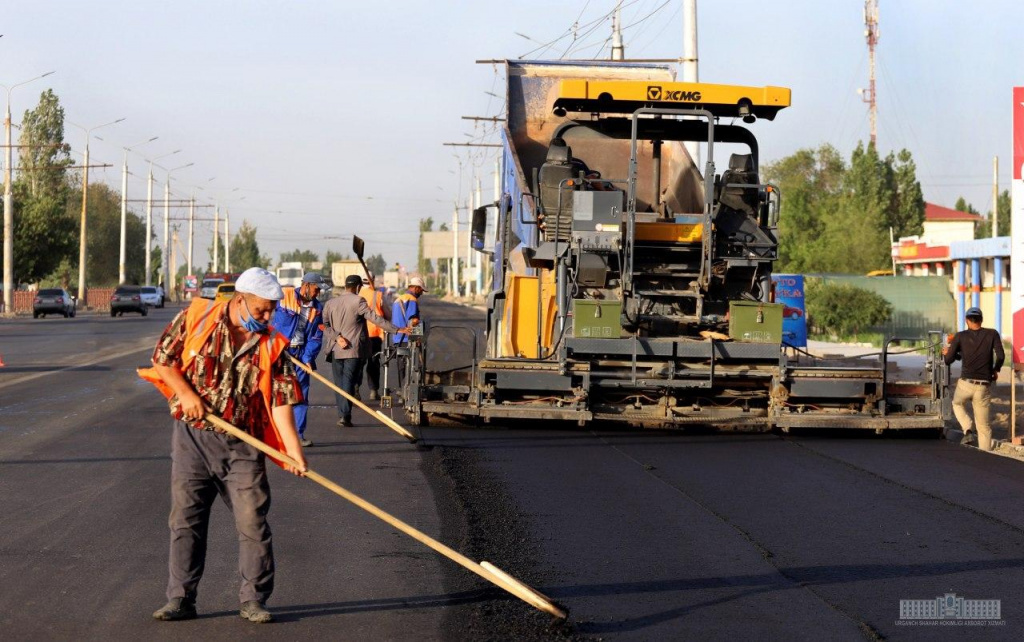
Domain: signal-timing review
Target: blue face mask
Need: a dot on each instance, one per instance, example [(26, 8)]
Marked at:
[(251, 324)]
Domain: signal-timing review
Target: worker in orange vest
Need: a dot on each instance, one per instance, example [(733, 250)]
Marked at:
[(378, 300), (220, 358)]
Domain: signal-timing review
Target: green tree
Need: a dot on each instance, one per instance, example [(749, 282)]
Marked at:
[(45, 232), (299, 256), (155, 264), (103, 250), (245, 251), (811, 183), (844, 310), (836, 217), (43, 153), (963, 206), (333, 257), (376, 264), (984, 228), (423, 265)]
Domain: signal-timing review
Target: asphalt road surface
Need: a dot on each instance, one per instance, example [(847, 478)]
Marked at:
[(642, 535)]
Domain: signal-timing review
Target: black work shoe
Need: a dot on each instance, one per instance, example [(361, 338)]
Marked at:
[(344, 423), (177, 608), (969, 439), (254, 612)]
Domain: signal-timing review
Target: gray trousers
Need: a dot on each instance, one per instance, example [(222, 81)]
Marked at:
[(205, 464)]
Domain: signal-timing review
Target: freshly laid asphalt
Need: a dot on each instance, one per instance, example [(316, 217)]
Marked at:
[(643, 535)]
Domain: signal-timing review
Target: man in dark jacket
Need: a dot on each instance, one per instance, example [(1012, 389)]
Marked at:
[(345, 318), (981, 350), (299, 317)]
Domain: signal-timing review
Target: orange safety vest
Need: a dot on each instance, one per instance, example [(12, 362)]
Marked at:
[(374, 299), (200, 321), (292, 302)]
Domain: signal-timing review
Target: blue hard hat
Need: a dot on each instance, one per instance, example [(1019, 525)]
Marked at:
[(973, 312)]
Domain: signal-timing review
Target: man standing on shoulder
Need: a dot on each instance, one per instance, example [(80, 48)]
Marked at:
[(219, 358), (299, 318), (981, 350), (345, 319), (380, 303)]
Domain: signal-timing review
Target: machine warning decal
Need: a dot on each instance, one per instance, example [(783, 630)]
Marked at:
[(655, 92)]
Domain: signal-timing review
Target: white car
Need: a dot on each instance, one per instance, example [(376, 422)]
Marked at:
[(152, 296), (209, 288)]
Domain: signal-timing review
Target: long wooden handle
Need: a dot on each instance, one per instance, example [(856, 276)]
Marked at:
[(384, 419), (508, 583)]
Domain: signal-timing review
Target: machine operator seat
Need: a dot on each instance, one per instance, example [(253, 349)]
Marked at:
[(558, 166), (742, 199)]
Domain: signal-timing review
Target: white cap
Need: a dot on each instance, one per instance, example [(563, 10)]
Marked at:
[(417, 280), (261, 283)]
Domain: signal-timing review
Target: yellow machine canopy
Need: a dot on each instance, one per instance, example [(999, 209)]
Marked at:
[(626, 96)]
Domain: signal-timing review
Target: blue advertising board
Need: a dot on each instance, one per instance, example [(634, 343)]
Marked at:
[(789, 291)]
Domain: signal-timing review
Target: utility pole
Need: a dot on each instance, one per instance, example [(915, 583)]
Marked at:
[(478, 258), (995, 197), (871, 33), (124, 210), (455, 251), (172, 265), (167, 222), (83, 233), (191, 225), (690, 62), (618, 49), (216, 235), (9, 202), (149, 225), (227, 241)]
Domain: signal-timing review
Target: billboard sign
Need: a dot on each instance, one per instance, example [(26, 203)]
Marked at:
[(190, 284), (1017, 231), (789, 291)]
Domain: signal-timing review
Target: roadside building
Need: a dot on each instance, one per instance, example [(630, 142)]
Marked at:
[(978, 269)]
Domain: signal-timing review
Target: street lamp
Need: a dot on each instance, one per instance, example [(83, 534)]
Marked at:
[(85, 203), (167, 226), (149, 218), (9, 203), (124, 208), (191, 221)]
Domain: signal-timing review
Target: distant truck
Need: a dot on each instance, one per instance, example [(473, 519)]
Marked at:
[(342, 269), (289, 274)]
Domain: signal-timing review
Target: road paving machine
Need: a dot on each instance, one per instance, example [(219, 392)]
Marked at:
[(630, 272)]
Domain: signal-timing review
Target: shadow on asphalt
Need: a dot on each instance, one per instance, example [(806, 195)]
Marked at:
[(297, 612), (83, 460), (787, 578), (53, 368)]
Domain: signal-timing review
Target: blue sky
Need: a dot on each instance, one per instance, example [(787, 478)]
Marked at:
[(328, 117)]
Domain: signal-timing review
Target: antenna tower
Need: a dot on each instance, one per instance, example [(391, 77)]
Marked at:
[(871, 34)]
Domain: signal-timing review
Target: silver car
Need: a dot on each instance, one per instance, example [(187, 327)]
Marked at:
[(152, 296), (53, 301)]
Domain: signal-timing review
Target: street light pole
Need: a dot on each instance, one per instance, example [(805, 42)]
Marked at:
[(9, 203), (124, 210), (227, 240), (149, 221), (167, 225), (82, 236)]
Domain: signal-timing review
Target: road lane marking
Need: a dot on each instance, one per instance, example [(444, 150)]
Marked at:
[(148, 345)]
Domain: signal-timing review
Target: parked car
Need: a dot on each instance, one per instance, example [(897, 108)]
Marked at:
[(224, 292), (151, 296), (127, 298), (53, 301), (209, 288)]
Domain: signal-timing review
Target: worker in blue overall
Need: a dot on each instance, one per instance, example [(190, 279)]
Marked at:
[(299, 317)]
